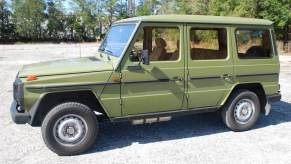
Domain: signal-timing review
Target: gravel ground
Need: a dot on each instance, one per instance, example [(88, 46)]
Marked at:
[(192, 139)]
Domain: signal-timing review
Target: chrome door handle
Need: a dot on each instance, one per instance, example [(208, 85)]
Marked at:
[(227, 77), (177, 78)]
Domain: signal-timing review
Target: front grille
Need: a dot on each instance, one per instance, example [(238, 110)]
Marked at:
[(18, 93)]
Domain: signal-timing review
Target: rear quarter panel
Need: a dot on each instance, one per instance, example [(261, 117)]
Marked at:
[(264, 71)]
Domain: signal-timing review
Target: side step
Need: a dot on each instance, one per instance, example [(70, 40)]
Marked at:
[(162, 116), (151, 120)]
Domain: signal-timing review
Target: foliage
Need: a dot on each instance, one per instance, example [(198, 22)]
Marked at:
[(278, 11), (28, 17), (85, 20), (7, 28), (109, 8), (243, 8), (147, 7), (56, 20)]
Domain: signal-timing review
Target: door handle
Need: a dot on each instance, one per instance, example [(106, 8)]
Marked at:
[(177, 78), (226, 77)]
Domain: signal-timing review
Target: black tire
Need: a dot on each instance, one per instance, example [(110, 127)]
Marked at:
[(228, 110), (61, 111)]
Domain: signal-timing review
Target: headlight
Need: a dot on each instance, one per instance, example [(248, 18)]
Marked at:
[(18, 94)]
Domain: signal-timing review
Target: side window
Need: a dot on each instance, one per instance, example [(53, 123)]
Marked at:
[(207, 44), (162, 43), (253, 44)]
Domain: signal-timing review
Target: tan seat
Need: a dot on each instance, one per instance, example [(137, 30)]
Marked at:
[(204, 54)]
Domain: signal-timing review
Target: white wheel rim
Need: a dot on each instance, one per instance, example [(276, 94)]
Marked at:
[(70, 129), (244, 110)]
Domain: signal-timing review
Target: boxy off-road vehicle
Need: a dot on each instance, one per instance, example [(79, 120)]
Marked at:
[(150, 69)]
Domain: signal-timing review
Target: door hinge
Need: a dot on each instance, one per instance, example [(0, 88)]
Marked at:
[(120, 100), (187, 96)]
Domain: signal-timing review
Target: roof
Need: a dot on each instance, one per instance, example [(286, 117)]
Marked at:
[(198, 19)]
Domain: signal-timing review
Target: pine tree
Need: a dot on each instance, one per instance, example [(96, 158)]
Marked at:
[(6, 26), (56, 18), (29, 16)]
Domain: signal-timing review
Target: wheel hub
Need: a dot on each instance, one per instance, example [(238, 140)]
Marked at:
[(244, 110), (70, 129)]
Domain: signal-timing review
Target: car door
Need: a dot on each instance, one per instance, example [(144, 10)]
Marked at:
[(209, 65), (159, 86)]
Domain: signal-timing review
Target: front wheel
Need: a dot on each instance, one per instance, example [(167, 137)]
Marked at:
[(241, 111), (69, 128)]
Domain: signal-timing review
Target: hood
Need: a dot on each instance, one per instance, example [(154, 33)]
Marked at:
[(66, 66)]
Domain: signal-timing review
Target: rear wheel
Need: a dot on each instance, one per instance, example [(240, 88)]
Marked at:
[(241, 111), (70, 129)]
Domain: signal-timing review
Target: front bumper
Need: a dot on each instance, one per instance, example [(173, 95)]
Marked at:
[(18, 117)]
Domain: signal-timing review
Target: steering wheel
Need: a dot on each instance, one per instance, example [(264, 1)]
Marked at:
[(135, 54), (255, 51)]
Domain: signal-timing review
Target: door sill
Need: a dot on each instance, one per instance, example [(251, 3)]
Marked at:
[(174, 113)]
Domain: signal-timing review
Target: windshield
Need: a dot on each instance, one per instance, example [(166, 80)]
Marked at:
[(116, 39)]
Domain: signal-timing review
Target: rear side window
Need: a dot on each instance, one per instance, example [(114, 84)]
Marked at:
[(207, 44), (253, 43)]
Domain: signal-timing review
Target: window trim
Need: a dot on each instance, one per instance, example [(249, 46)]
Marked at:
[(163, 26), (254, 28), (208, 28), (274, 43)]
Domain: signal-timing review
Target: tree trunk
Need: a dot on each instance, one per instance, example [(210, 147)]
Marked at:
[(285, 40)]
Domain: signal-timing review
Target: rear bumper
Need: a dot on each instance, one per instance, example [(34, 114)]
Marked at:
[(274, 97), (271, 99), (18, 117)]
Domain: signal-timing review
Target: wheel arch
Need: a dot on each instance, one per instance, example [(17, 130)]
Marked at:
[(50, 100), (254, 87)]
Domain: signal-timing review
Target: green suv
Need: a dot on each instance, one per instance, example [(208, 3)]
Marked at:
[(150, 69)]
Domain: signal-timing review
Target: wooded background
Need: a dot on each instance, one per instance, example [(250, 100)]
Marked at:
[(88, 20)]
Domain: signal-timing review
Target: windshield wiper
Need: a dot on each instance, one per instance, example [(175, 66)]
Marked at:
[(108, 52), (101, 49), (105, 50)]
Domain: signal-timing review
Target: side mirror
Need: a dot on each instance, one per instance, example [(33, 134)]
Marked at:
[(133, 56), (145, 57)]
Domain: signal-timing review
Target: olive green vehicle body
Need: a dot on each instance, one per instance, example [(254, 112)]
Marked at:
[(162, 86)]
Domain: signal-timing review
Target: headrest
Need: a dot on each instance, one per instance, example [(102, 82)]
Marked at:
[(160, 43)]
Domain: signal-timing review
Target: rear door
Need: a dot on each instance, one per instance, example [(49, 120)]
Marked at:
[(209, 65)]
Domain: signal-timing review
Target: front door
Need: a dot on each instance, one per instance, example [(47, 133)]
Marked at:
[(210, 65), (159, 86)]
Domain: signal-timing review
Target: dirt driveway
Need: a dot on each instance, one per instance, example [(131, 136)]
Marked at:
[(191, 139)]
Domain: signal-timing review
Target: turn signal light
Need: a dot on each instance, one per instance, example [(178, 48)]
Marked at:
[(31, 77)]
